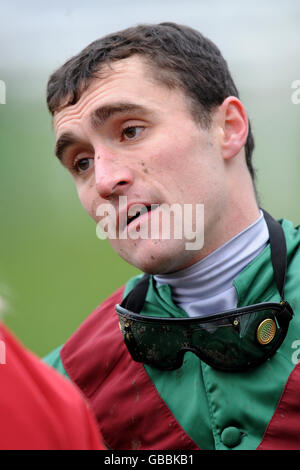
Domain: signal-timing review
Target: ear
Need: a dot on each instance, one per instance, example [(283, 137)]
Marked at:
[(234, 126)]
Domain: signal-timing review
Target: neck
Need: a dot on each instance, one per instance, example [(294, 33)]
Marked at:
[(207, 286)]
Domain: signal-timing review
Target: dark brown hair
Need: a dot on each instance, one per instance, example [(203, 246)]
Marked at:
[(179, 56)]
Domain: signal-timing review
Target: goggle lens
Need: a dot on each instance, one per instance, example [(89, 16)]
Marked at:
[(228, 342)]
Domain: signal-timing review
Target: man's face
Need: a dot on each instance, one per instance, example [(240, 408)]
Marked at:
[(132, 137)]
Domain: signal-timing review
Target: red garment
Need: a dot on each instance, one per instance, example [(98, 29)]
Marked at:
[(39, 409)]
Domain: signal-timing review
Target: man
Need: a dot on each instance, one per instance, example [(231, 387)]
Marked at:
[(147, 119)]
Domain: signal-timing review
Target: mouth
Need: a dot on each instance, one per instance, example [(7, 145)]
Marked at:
[(136, 211)]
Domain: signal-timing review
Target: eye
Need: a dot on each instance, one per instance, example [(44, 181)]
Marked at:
[(82, 165), (131, 132)]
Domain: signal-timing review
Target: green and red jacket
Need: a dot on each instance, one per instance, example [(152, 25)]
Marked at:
[(196, 406)]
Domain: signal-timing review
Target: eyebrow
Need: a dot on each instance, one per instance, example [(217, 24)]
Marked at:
[(64, 141), (100, 115)]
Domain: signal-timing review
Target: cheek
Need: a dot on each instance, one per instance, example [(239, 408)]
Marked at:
[(168, 162), (179, 164)]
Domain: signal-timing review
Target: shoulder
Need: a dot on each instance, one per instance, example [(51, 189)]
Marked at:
[(99, 332), (103, 318), (97, 345), (292, 236), (86, 330)]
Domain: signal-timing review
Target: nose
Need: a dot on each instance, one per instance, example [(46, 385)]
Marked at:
[(112, 177)]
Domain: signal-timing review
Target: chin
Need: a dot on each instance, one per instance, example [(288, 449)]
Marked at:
[(156, 256)]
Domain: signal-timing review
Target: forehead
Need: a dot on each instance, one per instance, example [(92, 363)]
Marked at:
[(122, 80), (128, 80)]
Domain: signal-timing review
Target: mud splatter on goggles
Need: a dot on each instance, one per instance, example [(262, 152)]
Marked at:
[(231, 341)]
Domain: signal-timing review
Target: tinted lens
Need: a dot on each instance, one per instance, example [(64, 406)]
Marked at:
[(232, 343), (158, 345), (236, 344)]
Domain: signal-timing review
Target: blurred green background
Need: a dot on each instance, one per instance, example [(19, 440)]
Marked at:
[(54, 271)]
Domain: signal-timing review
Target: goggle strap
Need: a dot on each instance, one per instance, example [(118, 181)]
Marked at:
[(278, 251), (134, 301)]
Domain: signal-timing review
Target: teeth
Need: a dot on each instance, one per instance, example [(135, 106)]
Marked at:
[(132, 217), (135, 211), (138, 212)]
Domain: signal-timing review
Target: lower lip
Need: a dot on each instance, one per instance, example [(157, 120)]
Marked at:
[(138, 221)]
